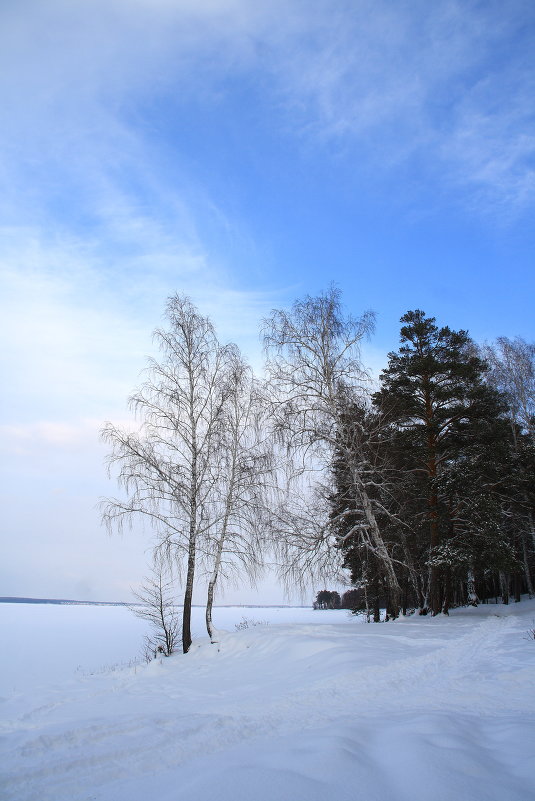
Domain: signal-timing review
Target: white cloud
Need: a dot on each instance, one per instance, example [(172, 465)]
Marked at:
[(450, 83), (50, 433), (79, 333), (72, 347), (494, 149), (98, 231)]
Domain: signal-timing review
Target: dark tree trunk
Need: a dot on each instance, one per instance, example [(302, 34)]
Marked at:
[(376, 605), (525, 562), (405, 597), (504, 586), (447, 591), (517, 585), (188, 595)]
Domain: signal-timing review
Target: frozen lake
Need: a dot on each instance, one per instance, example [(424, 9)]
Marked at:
[(47, 642)]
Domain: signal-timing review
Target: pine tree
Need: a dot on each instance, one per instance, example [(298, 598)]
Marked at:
[(434, 395)]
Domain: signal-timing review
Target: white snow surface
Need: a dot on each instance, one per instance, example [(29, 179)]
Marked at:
[(315, 706)]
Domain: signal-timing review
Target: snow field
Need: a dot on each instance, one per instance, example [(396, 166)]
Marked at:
[(421, 709), (44, 643)]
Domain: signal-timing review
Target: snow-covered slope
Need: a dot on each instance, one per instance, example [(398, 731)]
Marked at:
[(417, 710)]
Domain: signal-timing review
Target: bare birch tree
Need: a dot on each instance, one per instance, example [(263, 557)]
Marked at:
[(316, 373), (244, 474), (167, 466), (512, 371)]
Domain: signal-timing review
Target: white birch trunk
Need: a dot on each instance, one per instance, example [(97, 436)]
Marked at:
[(471, 588)]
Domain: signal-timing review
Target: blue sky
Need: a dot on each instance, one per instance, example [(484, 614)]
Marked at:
[(246, 154)]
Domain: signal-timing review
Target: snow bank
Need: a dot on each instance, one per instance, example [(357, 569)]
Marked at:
[(417, 710)]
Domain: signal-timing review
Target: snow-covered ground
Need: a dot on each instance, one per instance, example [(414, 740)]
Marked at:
[(315, 705)]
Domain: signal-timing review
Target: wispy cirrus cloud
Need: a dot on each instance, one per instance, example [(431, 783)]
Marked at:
[(79, 334), (448, 84), (110, 109), (100, 229)]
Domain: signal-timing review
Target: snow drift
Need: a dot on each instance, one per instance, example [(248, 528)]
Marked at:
[(414, 710)]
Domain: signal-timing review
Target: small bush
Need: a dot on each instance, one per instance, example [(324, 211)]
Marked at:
[(248, 622), (105, 670)]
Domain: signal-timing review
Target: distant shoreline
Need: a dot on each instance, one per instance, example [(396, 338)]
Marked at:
[(71, 602)]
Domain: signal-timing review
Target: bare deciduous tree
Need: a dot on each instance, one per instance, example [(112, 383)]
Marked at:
[(244, 470), (512, 371), (316, 374), (157, 596), (167, 467)]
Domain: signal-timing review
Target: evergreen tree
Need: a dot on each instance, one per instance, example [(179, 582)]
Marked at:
[(327, 599), (434, 396)]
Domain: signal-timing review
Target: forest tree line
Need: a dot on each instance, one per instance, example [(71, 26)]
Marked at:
[(448, 446), (331, 599), (420, 488)]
